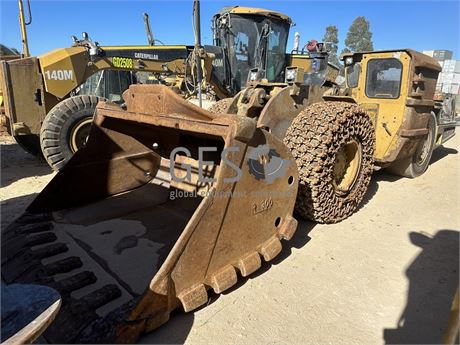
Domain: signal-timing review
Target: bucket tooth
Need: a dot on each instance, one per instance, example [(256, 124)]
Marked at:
[(75, 282), (271, 248), (101, 296), (29, 218), (41, 238), (28, 260), (23, 229), (48, 251), (63, 266), (223, 280), (14, 246), (249, 264), (288, 227), (35, 227), (43, 274), (194, 297), (77, 314)]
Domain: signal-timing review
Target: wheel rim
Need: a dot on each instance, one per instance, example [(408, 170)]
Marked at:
[(79, 134), (423, 150), (347, 166)]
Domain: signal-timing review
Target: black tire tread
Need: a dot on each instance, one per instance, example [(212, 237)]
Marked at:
[(53, 123)]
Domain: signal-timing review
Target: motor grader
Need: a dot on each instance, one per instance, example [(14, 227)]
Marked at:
[(167, 200), (50, 99)]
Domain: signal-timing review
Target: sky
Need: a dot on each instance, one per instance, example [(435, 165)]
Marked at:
[(420, 25)]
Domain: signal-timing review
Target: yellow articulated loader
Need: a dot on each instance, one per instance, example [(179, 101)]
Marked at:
[(167, 200)]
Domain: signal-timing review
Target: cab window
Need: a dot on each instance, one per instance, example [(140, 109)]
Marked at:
[(353, 73), (276, 52), (241, 45), (383, 78)]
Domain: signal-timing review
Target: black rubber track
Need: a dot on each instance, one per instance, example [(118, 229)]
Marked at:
[(314, 138), (220, 106), (56, 128)]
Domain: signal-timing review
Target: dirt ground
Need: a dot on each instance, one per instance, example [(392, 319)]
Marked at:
[(386, 275)]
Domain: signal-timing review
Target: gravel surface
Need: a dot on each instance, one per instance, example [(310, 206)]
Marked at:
[(386, 275)]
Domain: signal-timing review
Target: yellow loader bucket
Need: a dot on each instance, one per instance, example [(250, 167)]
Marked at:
[(165, 202)]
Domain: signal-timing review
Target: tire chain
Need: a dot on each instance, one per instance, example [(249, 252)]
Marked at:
[(314, 138), (220, 106)]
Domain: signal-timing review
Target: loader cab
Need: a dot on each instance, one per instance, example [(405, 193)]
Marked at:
[(380, 74), (250, 39), (396, 88)]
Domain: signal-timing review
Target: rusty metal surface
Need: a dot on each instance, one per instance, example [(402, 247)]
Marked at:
[(420, 59), (419, 104), (21, 84), (207, 240), (280, 111)]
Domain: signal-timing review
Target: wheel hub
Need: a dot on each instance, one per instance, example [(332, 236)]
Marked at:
[(423, 149), (79, 134), (347, 166)]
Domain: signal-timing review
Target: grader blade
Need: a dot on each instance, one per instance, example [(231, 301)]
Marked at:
[(165, 202)]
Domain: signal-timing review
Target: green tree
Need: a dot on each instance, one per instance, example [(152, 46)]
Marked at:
[(331, 40), (359, 36)]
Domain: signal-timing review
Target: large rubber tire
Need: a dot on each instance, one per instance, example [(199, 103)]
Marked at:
[(220, 106), (417, 164), (62, 126), (316, 137)]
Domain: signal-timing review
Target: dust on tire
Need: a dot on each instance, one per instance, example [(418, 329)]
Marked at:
[(54, 134), (221, 106), (314, 137)]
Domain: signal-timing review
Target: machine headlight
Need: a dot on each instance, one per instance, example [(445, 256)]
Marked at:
[(291, 74), (256, 74), (348, 60)]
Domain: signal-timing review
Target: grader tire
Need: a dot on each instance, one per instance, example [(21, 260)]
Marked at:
[(333, 144), (220, 107), (63, 130)]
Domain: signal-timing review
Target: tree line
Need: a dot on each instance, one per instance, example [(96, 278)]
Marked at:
[(359, 38)]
